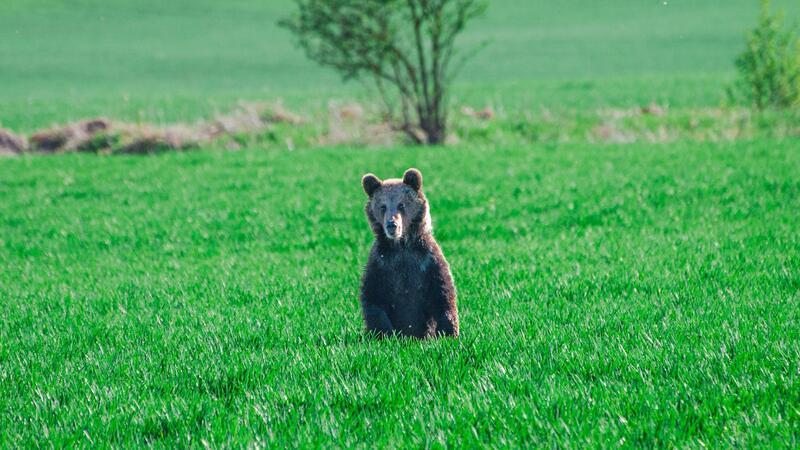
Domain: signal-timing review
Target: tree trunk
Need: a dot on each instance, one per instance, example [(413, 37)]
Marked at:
[(434, 127), (435, 134)]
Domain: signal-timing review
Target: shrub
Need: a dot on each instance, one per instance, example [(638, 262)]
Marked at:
[(770, 66)]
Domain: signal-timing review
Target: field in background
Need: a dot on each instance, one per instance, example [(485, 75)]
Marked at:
[(180, 60), (634, 294)]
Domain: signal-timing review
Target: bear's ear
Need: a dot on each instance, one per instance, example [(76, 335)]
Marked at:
[(370, 183), (413, 178)]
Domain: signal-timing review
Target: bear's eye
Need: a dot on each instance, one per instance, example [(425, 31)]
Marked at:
[(383, 209), (401, 207)]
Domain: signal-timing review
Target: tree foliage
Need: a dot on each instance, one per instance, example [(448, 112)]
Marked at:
[(406, 47)]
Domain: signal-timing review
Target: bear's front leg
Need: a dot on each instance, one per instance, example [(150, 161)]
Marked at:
[(441, 294), (377, 321), (447, 324)]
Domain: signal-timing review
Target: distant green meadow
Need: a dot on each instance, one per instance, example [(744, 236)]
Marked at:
[(611, 295), (160, 61)]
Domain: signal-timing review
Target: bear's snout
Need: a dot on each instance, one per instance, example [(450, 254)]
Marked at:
[(394, 227)]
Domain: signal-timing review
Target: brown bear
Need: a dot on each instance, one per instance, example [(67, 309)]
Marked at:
[(407, 288)]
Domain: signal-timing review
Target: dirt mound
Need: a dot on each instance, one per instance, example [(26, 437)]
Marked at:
[(653, 109), (143, 139), (611, 133), (11, 144), (277, 113), (350, 123), (100, 135), (486, 113), (104, 136), (248, 118), (69, 137)]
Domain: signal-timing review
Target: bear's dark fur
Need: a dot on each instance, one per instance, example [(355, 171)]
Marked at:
[(407, 288)]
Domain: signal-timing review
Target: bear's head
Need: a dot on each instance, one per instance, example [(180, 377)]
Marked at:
[(397, 208)]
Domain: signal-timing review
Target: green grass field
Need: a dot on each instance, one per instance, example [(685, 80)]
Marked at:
[(636, 295), (628, 294)]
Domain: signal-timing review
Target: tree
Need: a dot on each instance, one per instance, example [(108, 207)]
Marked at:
[(406, 47)]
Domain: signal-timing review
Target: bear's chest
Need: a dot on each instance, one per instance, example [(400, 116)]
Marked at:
[(405, 276)]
